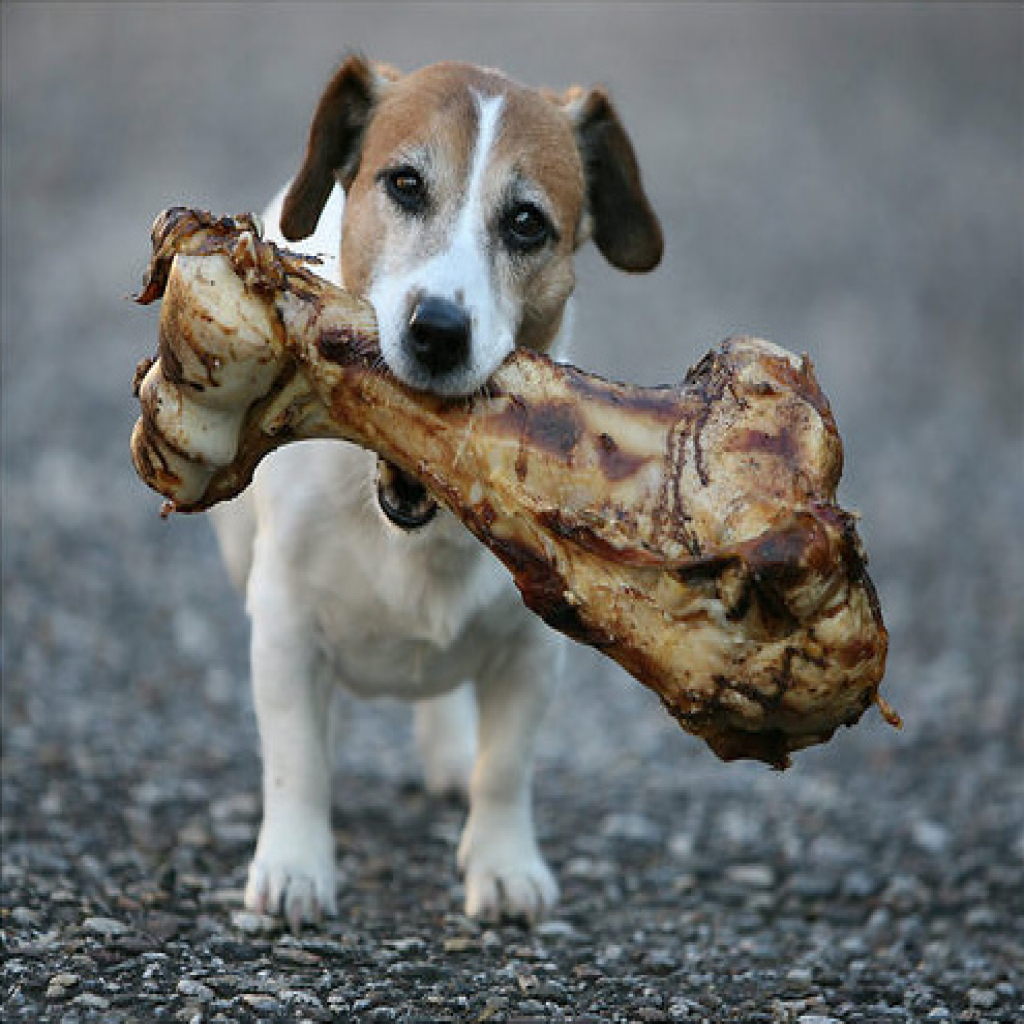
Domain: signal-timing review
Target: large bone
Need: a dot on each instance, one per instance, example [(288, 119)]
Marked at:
[(690, 533)]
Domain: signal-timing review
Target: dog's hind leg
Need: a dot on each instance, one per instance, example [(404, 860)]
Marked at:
[(506, 875), (445, 730)]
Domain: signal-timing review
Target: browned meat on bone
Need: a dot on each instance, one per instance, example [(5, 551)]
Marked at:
[(691, 533)]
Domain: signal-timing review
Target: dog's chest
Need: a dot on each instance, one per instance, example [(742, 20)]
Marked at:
[(382, 664), (395, 628)]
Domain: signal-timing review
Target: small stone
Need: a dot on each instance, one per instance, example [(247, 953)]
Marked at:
[(611, 953), (590, 869), (681, 845), (222, 897), (531, 1006), (981, 918), (817, 1018), (754, 876), (683, 1009), (253, 924), (461, 944), (550, 991), (814, 885), (60, 985), (296, 955), (194, 834), (660, 962), (163, 926), (44, 943), (904, 892), (408, 944), (421, 971), (339, 1000), (24, 916), (631, 826), (555, 929), (195, 990), (785, 1011), (654, 1014), (238, 805), (983, 998), (297, 997), (938, 1013), (931, 837), (879, 920), (91, 1001), (232, 833), (106, 927), (800, 976), (261, 1003), (492, 1007), (527, 982), (859, 884)]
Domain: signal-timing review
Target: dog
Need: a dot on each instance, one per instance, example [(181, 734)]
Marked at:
[(454, 200)]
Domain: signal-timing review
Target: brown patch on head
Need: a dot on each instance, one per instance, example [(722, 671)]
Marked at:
[(427, 117), (537, 149)]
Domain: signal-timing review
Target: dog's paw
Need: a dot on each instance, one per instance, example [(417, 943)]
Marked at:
[(520, 892), (292, 874), (506, 876)]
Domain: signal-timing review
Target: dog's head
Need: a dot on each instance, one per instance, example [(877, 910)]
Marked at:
[(466, 197)]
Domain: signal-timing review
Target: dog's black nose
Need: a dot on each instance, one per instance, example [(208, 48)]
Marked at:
[(439, 334)]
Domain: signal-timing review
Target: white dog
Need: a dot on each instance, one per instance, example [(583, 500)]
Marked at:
[(465, 197)]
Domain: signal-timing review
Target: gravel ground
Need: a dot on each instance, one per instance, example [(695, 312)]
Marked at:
[(844, 179)]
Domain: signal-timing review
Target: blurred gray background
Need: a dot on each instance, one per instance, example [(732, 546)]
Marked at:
[(845, 179)]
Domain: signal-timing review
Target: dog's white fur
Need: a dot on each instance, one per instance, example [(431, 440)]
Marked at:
[(335, 592)]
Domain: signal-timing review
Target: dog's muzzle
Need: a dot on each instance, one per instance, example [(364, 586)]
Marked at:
[(402, 499)]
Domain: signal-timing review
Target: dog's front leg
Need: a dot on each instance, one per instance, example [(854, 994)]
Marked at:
[(506, 876), (292, 872)]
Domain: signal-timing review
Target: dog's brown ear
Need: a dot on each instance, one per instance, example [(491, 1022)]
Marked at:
[(335, 138), (626, 229)]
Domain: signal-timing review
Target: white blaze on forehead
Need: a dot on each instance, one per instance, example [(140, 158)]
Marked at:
[(460, 272), (489, 108)]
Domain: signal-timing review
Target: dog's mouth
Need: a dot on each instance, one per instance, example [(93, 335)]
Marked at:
[(402, 499)]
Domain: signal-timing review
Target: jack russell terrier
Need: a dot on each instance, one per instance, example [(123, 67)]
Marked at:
[(465, 198)]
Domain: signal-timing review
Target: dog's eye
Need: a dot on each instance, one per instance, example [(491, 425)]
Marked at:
[(526, 227), (406, 187)]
